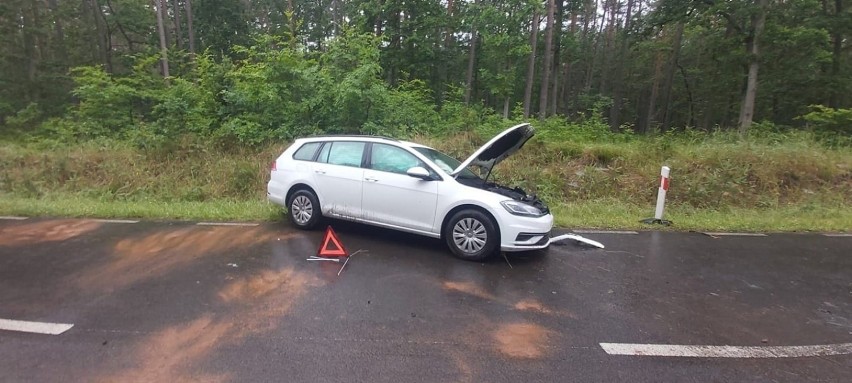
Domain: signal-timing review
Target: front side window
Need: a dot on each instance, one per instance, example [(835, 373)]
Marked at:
[(392, 159), (344, 153), (445, 162)]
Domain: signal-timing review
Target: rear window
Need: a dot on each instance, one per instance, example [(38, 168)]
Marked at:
[(307, 151)]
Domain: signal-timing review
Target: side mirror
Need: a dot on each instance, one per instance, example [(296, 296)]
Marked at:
[(419, 172)]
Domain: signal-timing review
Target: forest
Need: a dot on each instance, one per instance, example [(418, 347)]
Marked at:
[(252, 70), (172, 109)]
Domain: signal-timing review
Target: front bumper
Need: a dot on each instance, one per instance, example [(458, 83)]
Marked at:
[(519, 233)]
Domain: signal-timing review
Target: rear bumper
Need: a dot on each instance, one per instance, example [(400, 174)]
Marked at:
[(276, 194)]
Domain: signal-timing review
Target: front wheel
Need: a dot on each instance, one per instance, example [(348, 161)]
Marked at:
[(472, 235), (304, 209)]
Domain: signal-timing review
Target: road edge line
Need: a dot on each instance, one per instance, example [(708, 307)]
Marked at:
[(699, 351)]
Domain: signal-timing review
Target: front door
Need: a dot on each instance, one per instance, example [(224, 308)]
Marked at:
[(393, 197)]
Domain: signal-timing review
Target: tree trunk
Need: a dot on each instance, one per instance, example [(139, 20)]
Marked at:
[(178, 32), (120, 27), (567, 78), (548, 58), (621, 58), (28, 29), (471, 60), (100, 32), (395, 45), (59, 32), (531, 64), (506, 104), (445, 56), (752, 43), (608, 42), (164, 52), (190, 31), (836, 56), (448, 37), (379, 26), (593, 58), (650, 116), (670, 72), (291, 22), (554, 99), (335, 17)]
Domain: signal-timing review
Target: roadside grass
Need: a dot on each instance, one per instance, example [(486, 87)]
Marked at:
[(598, 214), (719, 181), (612, 214), (86, 207)]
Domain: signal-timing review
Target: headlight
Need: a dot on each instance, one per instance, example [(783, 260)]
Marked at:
[(520, 208)]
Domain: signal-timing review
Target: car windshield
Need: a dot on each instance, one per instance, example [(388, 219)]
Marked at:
[(445, 162)]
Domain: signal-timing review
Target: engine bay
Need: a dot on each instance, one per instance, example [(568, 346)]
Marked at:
[(515, 193)]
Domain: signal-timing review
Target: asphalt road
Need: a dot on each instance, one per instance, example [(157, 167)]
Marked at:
[(178, 302)]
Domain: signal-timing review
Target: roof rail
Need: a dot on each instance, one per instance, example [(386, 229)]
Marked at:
[(352, 135)]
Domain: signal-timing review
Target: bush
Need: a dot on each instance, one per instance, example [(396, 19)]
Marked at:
[(833, 126)]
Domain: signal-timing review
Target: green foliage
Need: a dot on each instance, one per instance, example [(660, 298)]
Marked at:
[(831, 125), (273, 92), (406, 111), (26, 118)]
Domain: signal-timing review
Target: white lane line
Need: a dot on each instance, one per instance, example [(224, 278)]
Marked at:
[(735, 234), (34, 327), (226, 224), (13, 218), (604, 232), (115, 220), (726, 351), (838, 235)]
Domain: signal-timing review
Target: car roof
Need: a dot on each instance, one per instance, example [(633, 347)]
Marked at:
[(343, 137), (356, 137)]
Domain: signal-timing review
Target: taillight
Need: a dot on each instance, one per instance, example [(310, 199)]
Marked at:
[(273, 166)]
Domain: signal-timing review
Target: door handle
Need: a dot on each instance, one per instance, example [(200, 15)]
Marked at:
[(371, 179), (319, 171)]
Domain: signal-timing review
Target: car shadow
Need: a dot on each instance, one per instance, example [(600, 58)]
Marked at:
[(390, 237)]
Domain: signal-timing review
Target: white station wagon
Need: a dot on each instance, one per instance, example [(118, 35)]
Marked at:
[(413, 188)]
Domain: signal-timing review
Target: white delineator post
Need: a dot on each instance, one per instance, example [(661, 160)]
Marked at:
[(661, 194)]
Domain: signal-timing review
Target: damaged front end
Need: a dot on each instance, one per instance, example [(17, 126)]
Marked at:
[(515, 193)]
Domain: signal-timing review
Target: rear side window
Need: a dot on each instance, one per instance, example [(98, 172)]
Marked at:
[(307, 151), (342, 153)]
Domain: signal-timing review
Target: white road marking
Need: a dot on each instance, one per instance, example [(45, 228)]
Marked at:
[(726, 351), (736, 234), (226, 224), (605, 232), (115, 220), (34, 327), (838, 235), (13, 218)]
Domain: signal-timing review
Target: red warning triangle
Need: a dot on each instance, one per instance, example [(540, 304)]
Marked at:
[(331, 245)]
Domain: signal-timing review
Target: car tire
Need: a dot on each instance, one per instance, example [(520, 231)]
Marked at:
[(303, 209), (472, 235)]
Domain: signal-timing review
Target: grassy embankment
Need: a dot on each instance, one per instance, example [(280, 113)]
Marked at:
[(718, 181)]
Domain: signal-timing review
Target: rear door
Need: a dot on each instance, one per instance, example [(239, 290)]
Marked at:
[(393, 197), (339, 178)]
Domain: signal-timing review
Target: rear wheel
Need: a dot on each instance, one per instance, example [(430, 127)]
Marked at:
[(472, 235), (304, 209)]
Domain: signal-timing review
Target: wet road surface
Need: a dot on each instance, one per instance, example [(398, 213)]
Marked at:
[(178, 302)]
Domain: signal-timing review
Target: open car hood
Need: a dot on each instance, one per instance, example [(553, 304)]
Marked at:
[(501, 146)]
